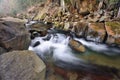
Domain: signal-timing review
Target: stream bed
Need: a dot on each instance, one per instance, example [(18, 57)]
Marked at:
[(98, 62)]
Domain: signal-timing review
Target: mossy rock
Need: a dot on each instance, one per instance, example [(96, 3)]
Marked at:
[(115, 26), (113, 31), (96, 32)]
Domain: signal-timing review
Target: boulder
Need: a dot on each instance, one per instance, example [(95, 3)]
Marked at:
[(77, 46), (2, 50), (21, 65), (13, 34), (96, 32), (113, 31), (80, 28), (39, 27)]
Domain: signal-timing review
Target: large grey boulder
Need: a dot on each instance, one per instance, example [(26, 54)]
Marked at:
[(13, 34), (21, 65)]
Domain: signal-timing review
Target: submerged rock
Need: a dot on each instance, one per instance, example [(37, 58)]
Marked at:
[(96, 32), (79, 75), (21, 65), (13, 34), (77, 46), (113, 31)]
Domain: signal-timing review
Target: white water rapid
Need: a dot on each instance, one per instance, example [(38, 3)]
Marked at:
[(102, 48), (57, 47)]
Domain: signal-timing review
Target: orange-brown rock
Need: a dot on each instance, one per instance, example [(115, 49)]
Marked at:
[(39, 27), (96, 32), (113, 31), (77, 46)]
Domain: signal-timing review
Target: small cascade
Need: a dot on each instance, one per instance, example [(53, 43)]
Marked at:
[(102, 48), (56, 45), (57, 48)]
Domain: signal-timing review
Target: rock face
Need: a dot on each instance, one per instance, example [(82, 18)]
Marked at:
[(21, 65), (39, 27), (113, 31), (13, 35), (77, 46), (2, 50), (96, 32), (80, 28)]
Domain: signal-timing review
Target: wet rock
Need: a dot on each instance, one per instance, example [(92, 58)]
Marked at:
[(96, 32), (39, 27), (21, 65), (13, 34), (2, 50), (113, 31), (77, 46), (79, 28)]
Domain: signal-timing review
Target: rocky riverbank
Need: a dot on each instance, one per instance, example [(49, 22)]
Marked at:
[(95, 24), (16, 62), (99, 25)]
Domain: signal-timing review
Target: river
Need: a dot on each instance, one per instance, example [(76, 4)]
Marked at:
[(97, 59)]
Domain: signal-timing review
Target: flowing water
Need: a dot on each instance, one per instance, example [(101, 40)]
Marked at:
[(96, 59)]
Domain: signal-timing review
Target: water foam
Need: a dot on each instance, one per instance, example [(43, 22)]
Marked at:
[(98, 47)]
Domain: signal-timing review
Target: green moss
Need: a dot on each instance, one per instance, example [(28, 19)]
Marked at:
[(113, 1), (115, 26)]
